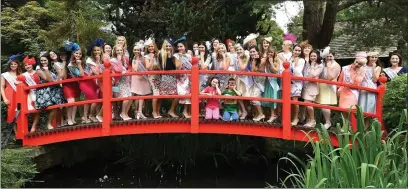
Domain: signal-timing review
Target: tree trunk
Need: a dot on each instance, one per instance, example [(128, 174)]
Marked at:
[(326, 31), (312, 20)]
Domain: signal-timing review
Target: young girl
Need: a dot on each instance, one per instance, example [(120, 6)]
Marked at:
[(31, 79), (212, 109)]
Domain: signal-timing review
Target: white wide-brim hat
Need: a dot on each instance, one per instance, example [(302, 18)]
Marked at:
[(250, 37)]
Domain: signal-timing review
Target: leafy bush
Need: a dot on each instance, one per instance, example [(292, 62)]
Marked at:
[(372, 161), (395, 100), (17, 167)]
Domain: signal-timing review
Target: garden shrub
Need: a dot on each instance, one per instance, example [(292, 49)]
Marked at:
[(395, 100)]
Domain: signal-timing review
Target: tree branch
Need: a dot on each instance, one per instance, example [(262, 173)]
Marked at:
[(348, 3)]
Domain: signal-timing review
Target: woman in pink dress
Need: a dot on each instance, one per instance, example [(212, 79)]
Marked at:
[(351, 74), (139, 83), (120, 64), (31, 79)]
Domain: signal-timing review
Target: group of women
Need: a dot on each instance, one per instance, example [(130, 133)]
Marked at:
[(69, 62)]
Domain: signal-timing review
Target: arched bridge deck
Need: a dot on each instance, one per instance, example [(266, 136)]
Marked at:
[(195, 124)]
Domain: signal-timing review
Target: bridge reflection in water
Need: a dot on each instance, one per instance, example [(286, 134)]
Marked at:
[(195, 124)]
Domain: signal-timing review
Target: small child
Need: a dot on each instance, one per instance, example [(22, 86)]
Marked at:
[(230, 105), (212, 109)]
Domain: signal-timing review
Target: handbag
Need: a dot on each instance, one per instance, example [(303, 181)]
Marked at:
[(115, 88)]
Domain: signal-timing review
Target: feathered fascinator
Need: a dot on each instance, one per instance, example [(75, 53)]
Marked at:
[(139, 44), (42, 53), (250, 37), (149, 41), (208, 45), (71, 46), (325, 52), (170, 41), (29, 61), (181, 39), (227, 41), (238, 45), (290, 37), (14, 57), (97, 43)]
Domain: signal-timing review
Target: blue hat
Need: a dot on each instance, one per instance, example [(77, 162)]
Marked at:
[(14, 57), (71, 46), (97, 43), (170, 40), (183, 38)]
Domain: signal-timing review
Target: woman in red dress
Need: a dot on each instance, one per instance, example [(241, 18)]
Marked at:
[(31, 79), (71, 70), (9, 87)]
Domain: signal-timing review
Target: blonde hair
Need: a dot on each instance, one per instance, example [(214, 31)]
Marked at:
[(218, 57), (163, 53), (114, 55), (124, 45)]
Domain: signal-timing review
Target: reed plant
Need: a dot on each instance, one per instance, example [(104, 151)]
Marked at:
[(365, 158)]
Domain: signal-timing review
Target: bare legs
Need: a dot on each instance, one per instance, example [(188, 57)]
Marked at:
[(51, 117), (71, 111), (311, 118), (35, 122), (125, 109), (260, 114), (139, 109), (156, 108), (274, 115), (295, 119), (243, 110), (172, 110), (326, 115), (185, 111)]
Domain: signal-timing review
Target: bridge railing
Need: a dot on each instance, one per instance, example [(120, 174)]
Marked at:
[(107, 98)]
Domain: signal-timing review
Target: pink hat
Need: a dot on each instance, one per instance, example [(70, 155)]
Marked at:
[(361, 55)]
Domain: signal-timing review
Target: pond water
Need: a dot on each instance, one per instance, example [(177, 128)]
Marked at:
[(107, 174)]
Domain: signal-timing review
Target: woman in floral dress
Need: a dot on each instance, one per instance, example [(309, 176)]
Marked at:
[(168, 84), (120, 64), (152, 64), (51, 95)]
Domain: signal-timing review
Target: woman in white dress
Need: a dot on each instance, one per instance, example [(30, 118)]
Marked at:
[(183, 62), (296, 67)]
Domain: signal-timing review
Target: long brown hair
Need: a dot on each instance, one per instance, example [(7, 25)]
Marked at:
[(18, 70)]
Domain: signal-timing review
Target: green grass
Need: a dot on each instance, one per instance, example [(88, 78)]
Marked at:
[(363, 159)]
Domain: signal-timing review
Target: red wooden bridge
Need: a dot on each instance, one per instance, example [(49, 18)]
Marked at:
[(194, 125)]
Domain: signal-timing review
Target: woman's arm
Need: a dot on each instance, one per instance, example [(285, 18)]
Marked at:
[(316, 72), (177, 60), (45, 75), (376, 73), (3, 94), (149, 62), (333, 71), (226, 62)]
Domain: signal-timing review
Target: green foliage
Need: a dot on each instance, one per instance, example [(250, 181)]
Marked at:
[(16, 167), (202, 20), (372, 161), (395, 100), (20, 28), (80, 21)]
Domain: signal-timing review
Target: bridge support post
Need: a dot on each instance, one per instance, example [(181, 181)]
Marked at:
[(286, 102), (106, 99), (21, 100), (195, 103), (380, 96)]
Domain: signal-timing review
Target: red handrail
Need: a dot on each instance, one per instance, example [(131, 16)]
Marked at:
[(287, 132)]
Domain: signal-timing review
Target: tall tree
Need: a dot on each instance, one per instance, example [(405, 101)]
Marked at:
[(201, 19), (319, 18)]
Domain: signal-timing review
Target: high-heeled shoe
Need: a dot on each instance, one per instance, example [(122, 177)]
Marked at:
[(173, 115), (124, 119), (99, 118), (84, 120), (327, 125), (259, 118), (186, 116), (295, 122), (243, 116), (93, 119), (272, 119), (310, 124), (139, 115)]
